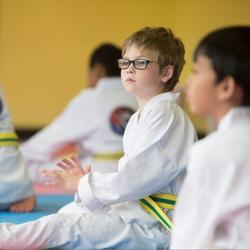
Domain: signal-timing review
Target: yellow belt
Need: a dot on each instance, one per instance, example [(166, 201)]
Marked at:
[(154, 204), (108, 156), (8, 139)]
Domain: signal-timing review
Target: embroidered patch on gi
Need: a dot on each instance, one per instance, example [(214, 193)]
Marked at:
[(119, 119)]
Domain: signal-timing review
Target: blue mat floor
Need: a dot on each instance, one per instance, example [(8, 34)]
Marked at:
[(46, 204)]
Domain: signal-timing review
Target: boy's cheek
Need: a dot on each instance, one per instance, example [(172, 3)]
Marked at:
[(188, 98), (122, 75), (188, 94), (191, 94), (189, 81), (189, 84)]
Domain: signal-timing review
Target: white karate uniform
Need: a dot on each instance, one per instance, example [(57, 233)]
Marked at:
[(15, 182), (87, 122), (213, 208), (106, 213)]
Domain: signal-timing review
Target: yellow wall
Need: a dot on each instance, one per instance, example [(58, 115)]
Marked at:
[(45, 44)]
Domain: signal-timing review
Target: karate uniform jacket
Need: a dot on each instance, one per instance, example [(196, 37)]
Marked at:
[(213, 208)]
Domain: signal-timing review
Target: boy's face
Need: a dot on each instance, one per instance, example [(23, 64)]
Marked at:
[(144, 83), (202, 93)]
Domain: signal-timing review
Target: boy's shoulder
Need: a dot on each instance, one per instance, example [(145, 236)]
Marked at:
[(206, 143), (162, 110), (226, 144), (84, 96), (163, 102)]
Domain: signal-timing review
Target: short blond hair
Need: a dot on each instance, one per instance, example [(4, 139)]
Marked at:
[(163, 45)]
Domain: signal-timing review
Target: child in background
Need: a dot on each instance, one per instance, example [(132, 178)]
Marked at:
[(94, 121), (213, 209), (16, 191), (107, 213)]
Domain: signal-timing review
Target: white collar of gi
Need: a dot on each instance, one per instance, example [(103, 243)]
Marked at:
[(234, 115), (109, 82), (167, 96)]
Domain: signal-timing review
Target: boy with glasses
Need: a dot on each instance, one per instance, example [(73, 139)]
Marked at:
[(131, 208)]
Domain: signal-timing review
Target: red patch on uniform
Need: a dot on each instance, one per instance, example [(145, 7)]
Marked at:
[(119, 119)]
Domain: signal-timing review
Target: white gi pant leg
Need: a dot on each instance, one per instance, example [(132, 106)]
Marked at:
[(81, 231)]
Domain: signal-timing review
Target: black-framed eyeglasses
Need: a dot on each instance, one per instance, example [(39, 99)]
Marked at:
[(137, 63)]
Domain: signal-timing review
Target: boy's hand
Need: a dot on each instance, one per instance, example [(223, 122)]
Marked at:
[(61, 179), (68, 178), (72, 166)]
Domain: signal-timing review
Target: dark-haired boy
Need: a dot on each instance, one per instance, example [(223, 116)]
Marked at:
[(213, 209)]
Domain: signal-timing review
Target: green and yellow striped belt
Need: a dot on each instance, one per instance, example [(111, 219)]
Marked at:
[(154, 203), (8, 139)]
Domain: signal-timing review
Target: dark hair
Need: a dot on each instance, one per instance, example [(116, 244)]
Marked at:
[(107, 55), (229, 51), (164, 45)]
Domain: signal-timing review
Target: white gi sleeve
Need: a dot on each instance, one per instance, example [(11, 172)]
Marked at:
[(152, 167)]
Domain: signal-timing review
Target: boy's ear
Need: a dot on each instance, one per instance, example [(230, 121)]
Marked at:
[(228, 90), (167, 73)]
